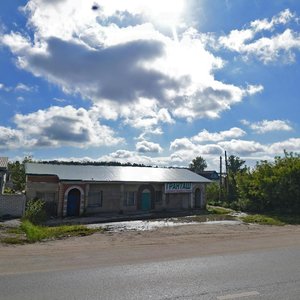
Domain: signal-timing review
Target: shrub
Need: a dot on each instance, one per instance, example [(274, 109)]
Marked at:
[(212, 193), (35, 211)]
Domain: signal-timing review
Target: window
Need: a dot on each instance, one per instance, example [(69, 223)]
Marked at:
[(95, 199), (129, 199), (158, 197), (46, 196)]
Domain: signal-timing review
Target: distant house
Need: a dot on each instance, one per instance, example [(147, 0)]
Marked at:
[(211, 175), (73, 189), (3, 172)]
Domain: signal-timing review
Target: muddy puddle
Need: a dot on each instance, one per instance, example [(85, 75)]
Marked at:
[(146, 225)]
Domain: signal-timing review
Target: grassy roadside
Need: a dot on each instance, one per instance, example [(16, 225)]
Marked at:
[(30, 233), (272, 219), (217, 210)]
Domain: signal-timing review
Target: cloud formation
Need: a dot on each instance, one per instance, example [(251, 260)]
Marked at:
[(119, 54), (57, 127), (268, 126), (146, 147), (252, 42)]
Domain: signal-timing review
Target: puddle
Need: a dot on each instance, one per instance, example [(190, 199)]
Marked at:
[(211, 218), (152, 225), (225, 222), (238, 214), (138, 225)]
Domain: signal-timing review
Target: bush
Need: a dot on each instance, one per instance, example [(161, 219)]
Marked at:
[(35, 211), (212, 193)]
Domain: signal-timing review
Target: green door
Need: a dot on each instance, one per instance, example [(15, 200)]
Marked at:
[(146, 201)]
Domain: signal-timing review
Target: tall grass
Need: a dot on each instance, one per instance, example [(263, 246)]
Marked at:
[(262, 220), (35, 233)]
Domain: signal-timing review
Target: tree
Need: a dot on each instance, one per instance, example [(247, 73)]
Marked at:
[(234, 167), (272, 186), (198, 165), (17, 172)]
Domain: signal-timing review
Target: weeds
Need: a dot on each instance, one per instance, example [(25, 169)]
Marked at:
[(262, 219), (13, 240), (35, 233), (217, 210)]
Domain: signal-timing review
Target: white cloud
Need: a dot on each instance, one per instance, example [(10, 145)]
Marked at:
[(254, 89), (62, 126), (204, 135), (268, 48), (120, 55), (182, 144), (242, 147), (21, 87), (283, 17), (146, 146), (268, 126), (5, 88), (278, 46), (290, 145), (125, 156), (13, 139), (250, 151)]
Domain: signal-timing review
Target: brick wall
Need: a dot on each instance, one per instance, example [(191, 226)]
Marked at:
[(13, 205)]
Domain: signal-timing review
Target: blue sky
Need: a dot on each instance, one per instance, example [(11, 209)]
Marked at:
[(156, 82)]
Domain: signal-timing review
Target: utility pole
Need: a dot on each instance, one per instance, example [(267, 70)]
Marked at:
[(226, 171), (220, 186)]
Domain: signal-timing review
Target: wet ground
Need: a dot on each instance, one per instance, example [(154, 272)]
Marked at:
[(148, 225)]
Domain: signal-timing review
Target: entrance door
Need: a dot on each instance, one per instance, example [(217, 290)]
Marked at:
[(198, 198), (73, 204), (146, 200)]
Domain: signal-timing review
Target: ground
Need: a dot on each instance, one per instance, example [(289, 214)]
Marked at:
[(168, 243)]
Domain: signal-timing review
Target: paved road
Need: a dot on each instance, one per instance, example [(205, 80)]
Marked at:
[(268, 274)]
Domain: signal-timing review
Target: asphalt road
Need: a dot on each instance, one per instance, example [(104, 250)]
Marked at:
[(257, 274)]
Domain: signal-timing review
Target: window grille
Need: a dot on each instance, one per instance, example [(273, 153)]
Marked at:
[(95, 199), (129, 199)]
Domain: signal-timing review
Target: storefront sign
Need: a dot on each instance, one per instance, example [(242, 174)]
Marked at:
[(178, 187)]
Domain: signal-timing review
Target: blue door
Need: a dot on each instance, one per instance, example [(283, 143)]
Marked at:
[(146, 201), (73, 204)]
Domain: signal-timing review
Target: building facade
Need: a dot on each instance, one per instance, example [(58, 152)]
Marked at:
[(3, 172), (71, 190)]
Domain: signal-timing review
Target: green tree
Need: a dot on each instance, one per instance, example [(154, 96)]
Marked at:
[(17, 173), (235, 166), (213, 193), (198, 164), (272, 186)]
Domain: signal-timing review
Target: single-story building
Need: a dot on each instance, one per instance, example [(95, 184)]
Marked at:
[(70, 190), (3, 172), (211, 175)]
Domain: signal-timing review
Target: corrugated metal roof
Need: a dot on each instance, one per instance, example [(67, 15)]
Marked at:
[(114, 173), (3, 162)]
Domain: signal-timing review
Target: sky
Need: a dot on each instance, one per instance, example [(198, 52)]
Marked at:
[(156, 82)]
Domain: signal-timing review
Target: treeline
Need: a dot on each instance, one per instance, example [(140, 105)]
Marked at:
[(92, 163), (269, 186)]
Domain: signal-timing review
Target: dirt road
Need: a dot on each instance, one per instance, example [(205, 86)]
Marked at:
[(103, 249)]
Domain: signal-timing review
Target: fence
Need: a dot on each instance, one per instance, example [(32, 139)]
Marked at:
[(12, 205)]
